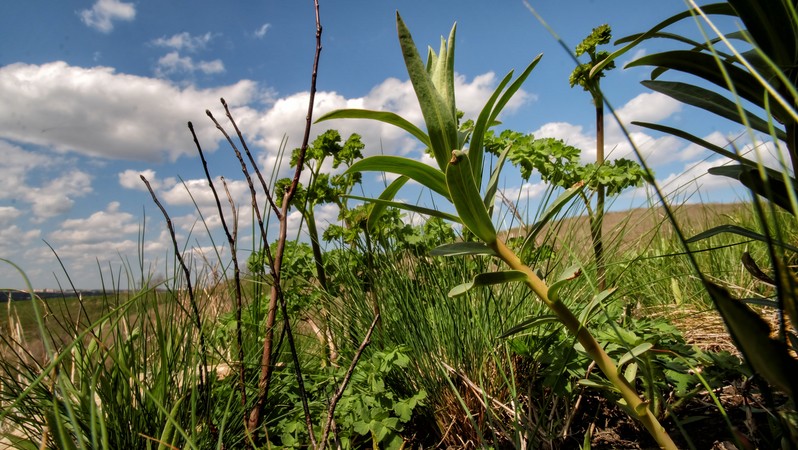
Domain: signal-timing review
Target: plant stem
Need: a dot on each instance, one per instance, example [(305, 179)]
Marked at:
[(598, 218), (591, 346)]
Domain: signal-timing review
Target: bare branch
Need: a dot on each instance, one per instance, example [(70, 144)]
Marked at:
[(187, 273), (252, 160)]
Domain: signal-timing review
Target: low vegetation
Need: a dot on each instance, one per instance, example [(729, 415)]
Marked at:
[(669, 327)]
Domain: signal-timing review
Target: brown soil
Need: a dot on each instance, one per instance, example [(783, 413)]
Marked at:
[(640, 226)]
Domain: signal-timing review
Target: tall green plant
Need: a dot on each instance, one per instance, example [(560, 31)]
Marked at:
[(459, 180), (591, 82)]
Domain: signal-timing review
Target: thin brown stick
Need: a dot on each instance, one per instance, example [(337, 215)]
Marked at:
[(266, 357), (252, 161), (340, 392), (187, 273), (245, 171), (231, 239)]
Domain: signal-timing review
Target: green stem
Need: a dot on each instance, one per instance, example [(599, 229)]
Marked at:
[(598, 218), (591, 346)]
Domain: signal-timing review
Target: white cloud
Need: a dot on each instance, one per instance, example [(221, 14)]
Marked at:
[(649, 107), (102, 14), (693, 183), (14, 239), (98, 112), (47, 183), (260, 32), (58, 195), (527, 191), (198, 191), (101, 226), (286, 117), (184, 41), (173, 63), (131, 179)]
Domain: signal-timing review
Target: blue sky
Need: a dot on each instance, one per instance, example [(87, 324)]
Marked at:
[(98, 91)]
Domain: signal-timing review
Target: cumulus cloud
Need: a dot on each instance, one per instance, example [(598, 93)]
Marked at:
[(58, 195), (13, 238), (103, 13), (184, 41), (47, 184), (98, 112), (286, 116), (108, 225), (648, 107), (692, 183)]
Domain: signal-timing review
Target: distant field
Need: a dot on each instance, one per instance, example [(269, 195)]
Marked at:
[(62, 316)]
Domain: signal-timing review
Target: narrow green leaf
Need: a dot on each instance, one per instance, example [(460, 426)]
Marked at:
[(408, 207), (738, 230), (596, 385), (463, 249), (441, 124), (475, 147), (566, 276), (710, 101), (382, 116), (466, 199), (379, 208), (441, 70), (169, 430), (705, 65), (788, 289), (634, 353), (495, 110), (513, 88), (19, 443), (530, 323), (766, 302), (769, 24), (427, 176), (751, 334), (58, 429), (772, 188), (488, 279)]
